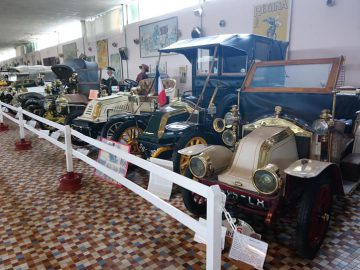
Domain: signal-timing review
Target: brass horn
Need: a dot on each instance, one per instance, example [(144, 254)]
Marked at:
[(219, 124)]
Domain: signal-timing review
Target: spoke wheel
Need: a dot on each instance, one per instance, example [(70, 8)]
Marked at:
[(313, 217), (110, 127), (127, 134)]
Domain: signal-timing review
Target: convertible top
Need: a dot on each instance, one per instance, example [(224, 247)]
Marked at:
[(240, 42)]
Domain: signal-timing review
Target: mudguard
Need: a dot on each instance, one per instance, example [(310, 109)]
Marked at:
[(310, 169)]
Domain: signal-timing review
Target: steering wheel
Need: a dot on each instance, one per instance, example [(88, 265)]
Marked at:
[(131, 83)]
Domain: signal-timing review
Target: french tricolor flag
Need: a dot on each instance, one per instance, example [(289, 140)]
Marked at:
[(159, 88)]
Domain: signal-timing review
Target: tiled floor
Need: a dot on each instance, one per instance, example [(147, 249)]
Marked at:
[(103, 227)]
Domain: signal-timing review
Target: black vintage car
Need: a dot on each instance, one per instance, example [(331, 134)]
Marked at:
[(68, 95), (219, 66)]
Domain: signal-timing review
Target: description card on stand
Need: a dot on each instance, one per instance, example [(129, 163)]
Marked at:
[(249, 250), (158, 185)]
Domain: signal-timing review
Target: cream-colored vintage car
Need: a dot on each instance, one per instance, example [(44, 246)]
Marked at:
[(295, 143), (105, 115)]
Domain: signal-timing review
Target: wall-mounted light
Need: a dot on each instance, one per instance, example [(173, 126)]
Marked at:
[(136, 41), (198, 12), (222, 23), (114, 44), (330, 3)]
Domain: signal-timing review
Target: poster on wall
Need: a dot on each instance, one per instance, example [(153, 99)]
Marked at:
[(70, 51), (115, 63), (272, 19), (102, 53), (157, 35)]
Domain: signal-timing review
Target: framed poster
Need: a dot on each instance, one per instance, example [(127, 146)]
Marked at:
[(70, 51), (102, 53), (112, 162), (272, 19), (157, 35), (115, 63)]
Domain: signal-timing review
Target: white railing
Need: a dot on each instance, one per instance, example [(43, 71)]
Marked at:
[(211, 232)]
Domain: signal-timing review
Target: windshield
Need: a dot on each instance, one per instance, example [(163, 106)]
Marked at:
[(289, 76), (204, 61)]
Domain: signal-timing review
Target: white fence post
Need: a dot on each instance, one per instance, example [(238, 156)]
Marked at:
[(213, 243), (1, 115), (21, 123), (68, 149)]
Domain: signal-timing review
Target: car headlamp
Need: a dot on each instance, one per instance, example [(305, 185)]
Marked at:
[(266, 180), (320, 127), (61, 104), (97, 111), (229, 137), (199, 166), (229, 119), (47, 105)]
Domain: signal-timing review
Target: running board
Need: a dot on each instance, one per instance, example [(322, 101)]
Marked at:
[(350, 187)]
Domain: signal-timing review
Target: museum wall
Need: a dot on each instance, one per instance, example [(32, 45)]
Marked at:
[(316, 31)]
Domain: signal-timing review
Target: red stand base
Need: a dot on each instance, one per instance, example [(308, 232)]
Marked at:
[(70, 181), (3, 127), (22, 145)]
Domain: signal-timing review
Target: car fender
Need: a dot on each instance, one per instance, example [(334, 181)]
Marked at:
[(193, 150), (310, 169)]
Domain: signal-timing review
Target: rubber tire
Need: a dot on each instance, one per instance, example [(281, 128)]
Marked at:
[(181, 145), (31, 107), (123, 127), (225, 105), (68, 121), (188, 199), (108, 125), (303, 225)]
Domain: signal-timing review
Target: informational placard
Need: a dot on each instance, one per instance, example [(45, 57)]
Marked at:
[(112, 162), (158, 185), (93, 94), (248, 250)]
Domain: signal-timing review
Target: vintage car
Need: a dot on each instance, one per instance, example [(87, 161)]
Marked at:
[(103, 116), (67, 96), (219, 65), (25, 82), (299, 146)]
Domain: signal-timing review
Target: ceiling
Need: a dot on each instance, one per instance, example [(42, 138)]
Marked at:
[(20, 19)]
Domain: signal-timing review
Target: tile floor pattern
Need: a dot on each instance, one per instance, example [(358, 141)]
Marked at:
[(103, 227)]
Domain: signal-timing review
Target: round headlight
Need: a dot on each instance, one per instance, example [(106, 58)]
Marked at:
[(266, 180), (229, 137), (229, 119), (320, 127), (47, 105), (198, 166)]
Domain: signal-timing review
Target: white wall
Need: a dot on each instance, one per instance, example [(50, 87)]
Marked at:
[(316, 31)]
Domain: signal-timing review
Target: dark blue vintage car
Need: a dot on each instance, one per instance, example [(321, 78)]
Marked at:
[(219, 66)]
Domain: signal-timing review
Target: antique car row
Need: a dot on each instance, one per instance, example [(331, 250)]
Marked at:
[(274, 134)]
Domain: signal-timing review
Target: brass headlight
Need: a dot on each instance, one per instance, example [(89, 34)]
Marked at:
[(47, 105), (61, 104), (97, 111), (229, 119), (219, 125), (199, 166), (229, 137), (320, 127), (267, 180)]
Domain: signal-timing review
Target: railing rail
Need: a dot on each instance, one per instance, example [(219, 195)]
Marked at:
[(211, 232)]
